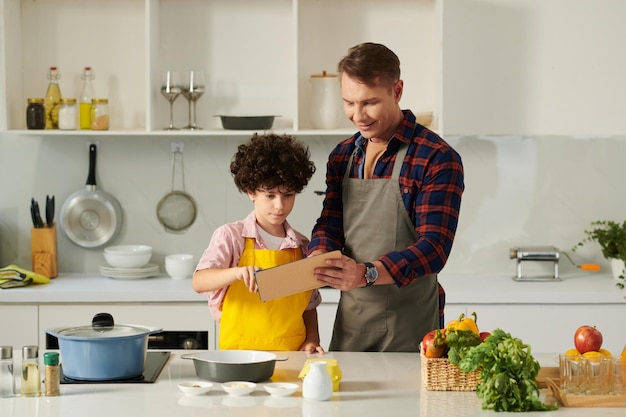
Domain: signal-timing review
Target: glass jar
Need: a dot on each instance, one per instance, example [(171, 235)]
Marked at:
[(100, 114), (31, 379), (35, 114), (7, 381), (52, 381), (67, 114)]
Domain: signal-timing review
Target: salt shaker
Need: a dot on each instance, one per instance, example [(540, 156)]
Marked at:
[(7, 381), (317, 385), (31, 379)]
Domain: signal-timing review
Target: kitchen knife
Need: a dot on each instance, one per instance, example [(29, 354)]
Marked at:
[(49, 211), (36, 214)]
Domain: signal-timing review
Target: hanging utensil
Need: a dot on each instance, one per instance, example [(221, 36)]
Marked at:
[(90, 217), (177, 210)]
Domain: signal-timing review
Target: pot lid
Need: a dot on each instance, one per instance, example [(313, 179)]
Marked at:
[(103, 326)]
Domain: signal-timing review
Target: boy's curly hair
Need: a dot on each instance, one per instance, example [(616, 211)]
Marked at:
[(270, 161)]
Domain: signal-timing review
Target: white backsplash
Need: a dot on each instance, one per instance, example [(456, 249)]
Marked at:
[(520, 191)]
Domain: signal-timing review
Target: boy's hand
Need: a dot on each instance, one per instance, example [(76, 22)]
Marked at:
[(246, 274), (310, 348)]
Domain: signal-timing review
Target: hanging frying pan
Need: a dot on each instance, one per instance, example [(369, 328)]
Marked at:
[(91, 218)]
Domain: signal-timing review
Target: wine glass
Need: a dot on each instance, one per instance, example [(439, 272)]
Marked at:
[(192, 91), (171, 87)]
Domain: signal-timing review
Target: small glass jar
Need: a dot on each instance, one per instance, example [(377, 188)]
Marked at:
[(52, 381), (31, 379), (35, 114), (68, 115), (100, 114), (7, 380)]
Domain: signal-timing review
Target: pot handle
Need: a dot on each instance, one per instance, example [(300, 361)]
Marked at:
[(102, 321), (281, 358), (186, 356)]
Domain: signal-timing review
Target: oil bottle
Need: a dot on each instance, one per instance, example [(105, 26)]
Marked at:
[(86, 95), (52, 99), (31, 379)]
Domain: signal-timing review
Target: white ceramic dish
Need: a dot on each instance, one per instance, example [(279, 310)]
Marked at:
[(281, 389), (195, 387), (147, 271), (180, 265), (128, 256), (239, 388)]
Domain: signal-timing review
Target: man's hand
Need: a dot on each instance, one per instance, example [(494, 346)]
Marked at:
[(343, 274)]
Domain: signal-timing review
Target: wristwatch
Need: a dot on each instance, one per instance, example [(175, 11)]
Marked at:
[(371, 274)]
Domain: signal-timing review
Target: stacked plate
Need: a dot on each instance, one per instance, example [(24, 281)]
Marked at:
[(146, 271)]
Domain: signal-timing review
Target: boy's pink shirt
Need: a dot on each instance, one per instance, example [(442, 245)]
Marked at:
[(226, 247)]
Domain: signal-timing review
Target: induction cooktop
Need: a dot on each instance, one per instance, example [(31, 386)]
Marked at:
[(155, 362)]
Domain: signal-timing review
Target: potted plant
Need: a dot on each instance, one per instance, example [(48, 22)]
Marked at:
[(611, 236)]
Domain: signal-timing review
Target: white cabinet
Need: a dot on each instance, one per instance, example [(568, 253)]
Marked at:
[(257, 55), (19, 325), (168, 316)]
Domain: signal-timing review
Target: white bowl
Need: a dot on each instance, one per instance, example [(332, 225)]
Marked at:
[(239, 387), (180, 265), (128, 256), (281, 389), (195, 387)]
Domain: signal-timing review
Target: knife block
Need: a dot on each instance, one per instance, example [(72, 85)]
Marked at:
[(43, 242)]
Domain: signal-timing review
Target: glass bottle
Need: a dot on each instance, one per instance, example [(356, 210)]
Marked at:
[(51, 363), (35, 114), (67, 114), (7, 381), (86, 95), (31, 379), (52, 99), (100, 114), (317, 384)]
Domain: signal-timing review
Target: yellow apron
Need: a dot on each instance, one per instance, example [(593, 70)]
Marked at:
[(249, 323)]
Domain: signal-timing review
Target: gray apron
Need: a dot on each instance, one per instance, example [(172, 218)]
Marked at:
[(381, 317)]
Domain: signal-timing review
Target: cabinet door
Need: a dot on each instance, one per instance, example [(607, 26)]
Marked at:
[(550, 328), (170, 316), (18, 325)]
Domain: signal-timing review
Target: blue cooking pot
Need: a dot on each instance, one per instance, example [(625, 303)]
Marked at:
[(103, 350)]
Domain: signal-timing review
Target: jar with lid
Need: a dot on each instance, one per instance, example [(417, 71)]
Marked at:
[(31, 379), (7, 380), (52, 381), (326, 109), (67, 114), (100, 114), (35, 114)]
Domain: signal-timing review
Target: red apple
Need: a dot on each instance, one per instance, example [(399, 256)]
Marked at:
[(434, 344), (484, 335), (587, 339)]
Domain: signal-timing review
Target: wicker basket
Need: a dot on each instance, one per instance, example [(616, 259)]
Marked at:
[(438, 374)]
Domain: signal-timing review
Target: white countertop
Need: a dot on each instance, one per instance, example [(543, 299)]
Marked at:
[(373, 385), (575, 288)]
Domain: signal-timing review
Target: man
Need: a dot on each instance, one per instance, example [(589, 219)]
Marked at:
[(392, 204)]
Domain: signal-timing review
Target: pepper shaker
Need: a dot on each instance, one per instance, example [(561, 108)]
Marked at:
[(51, 363)]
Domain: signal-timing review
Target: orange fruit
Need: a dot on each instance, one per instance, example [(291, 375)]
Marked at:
[(593, 354), (572, 353), (605, 353)]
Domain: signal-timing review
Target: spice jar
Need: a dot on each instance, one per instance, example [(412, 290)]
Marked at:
[(31, 380), (100, 114), (7, 381), (35, 114), (67, 114), (51, 362)]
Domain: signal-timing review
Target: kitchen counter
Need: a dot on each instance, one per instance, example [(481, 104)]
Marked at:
[(574, 288), (373, 385)]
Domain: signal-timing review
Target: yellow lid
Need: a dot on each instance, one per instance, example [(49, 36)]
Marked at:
[(68, 100), (35, 100), (100, 100)]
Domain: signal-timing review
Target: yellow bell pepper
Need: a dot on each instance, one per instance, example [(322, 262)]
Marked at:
[(464, 323)]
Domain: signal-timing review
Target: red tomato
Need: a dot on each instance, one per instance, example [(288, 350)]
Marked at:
[(434, 344), (484, 335)]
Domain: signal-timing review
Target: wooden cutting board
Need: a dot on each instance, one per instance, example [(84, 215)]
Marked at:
[(551, 372), (291, 278)]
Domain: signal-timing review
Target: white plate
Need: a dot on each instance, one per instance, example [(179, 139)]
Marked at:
[(239, 388), (147, 271), (195, 387), (281, 389)]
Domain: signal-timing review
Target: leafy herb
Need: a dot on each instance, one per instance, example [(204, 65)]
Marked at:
[(508, 374), (459, 342)]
